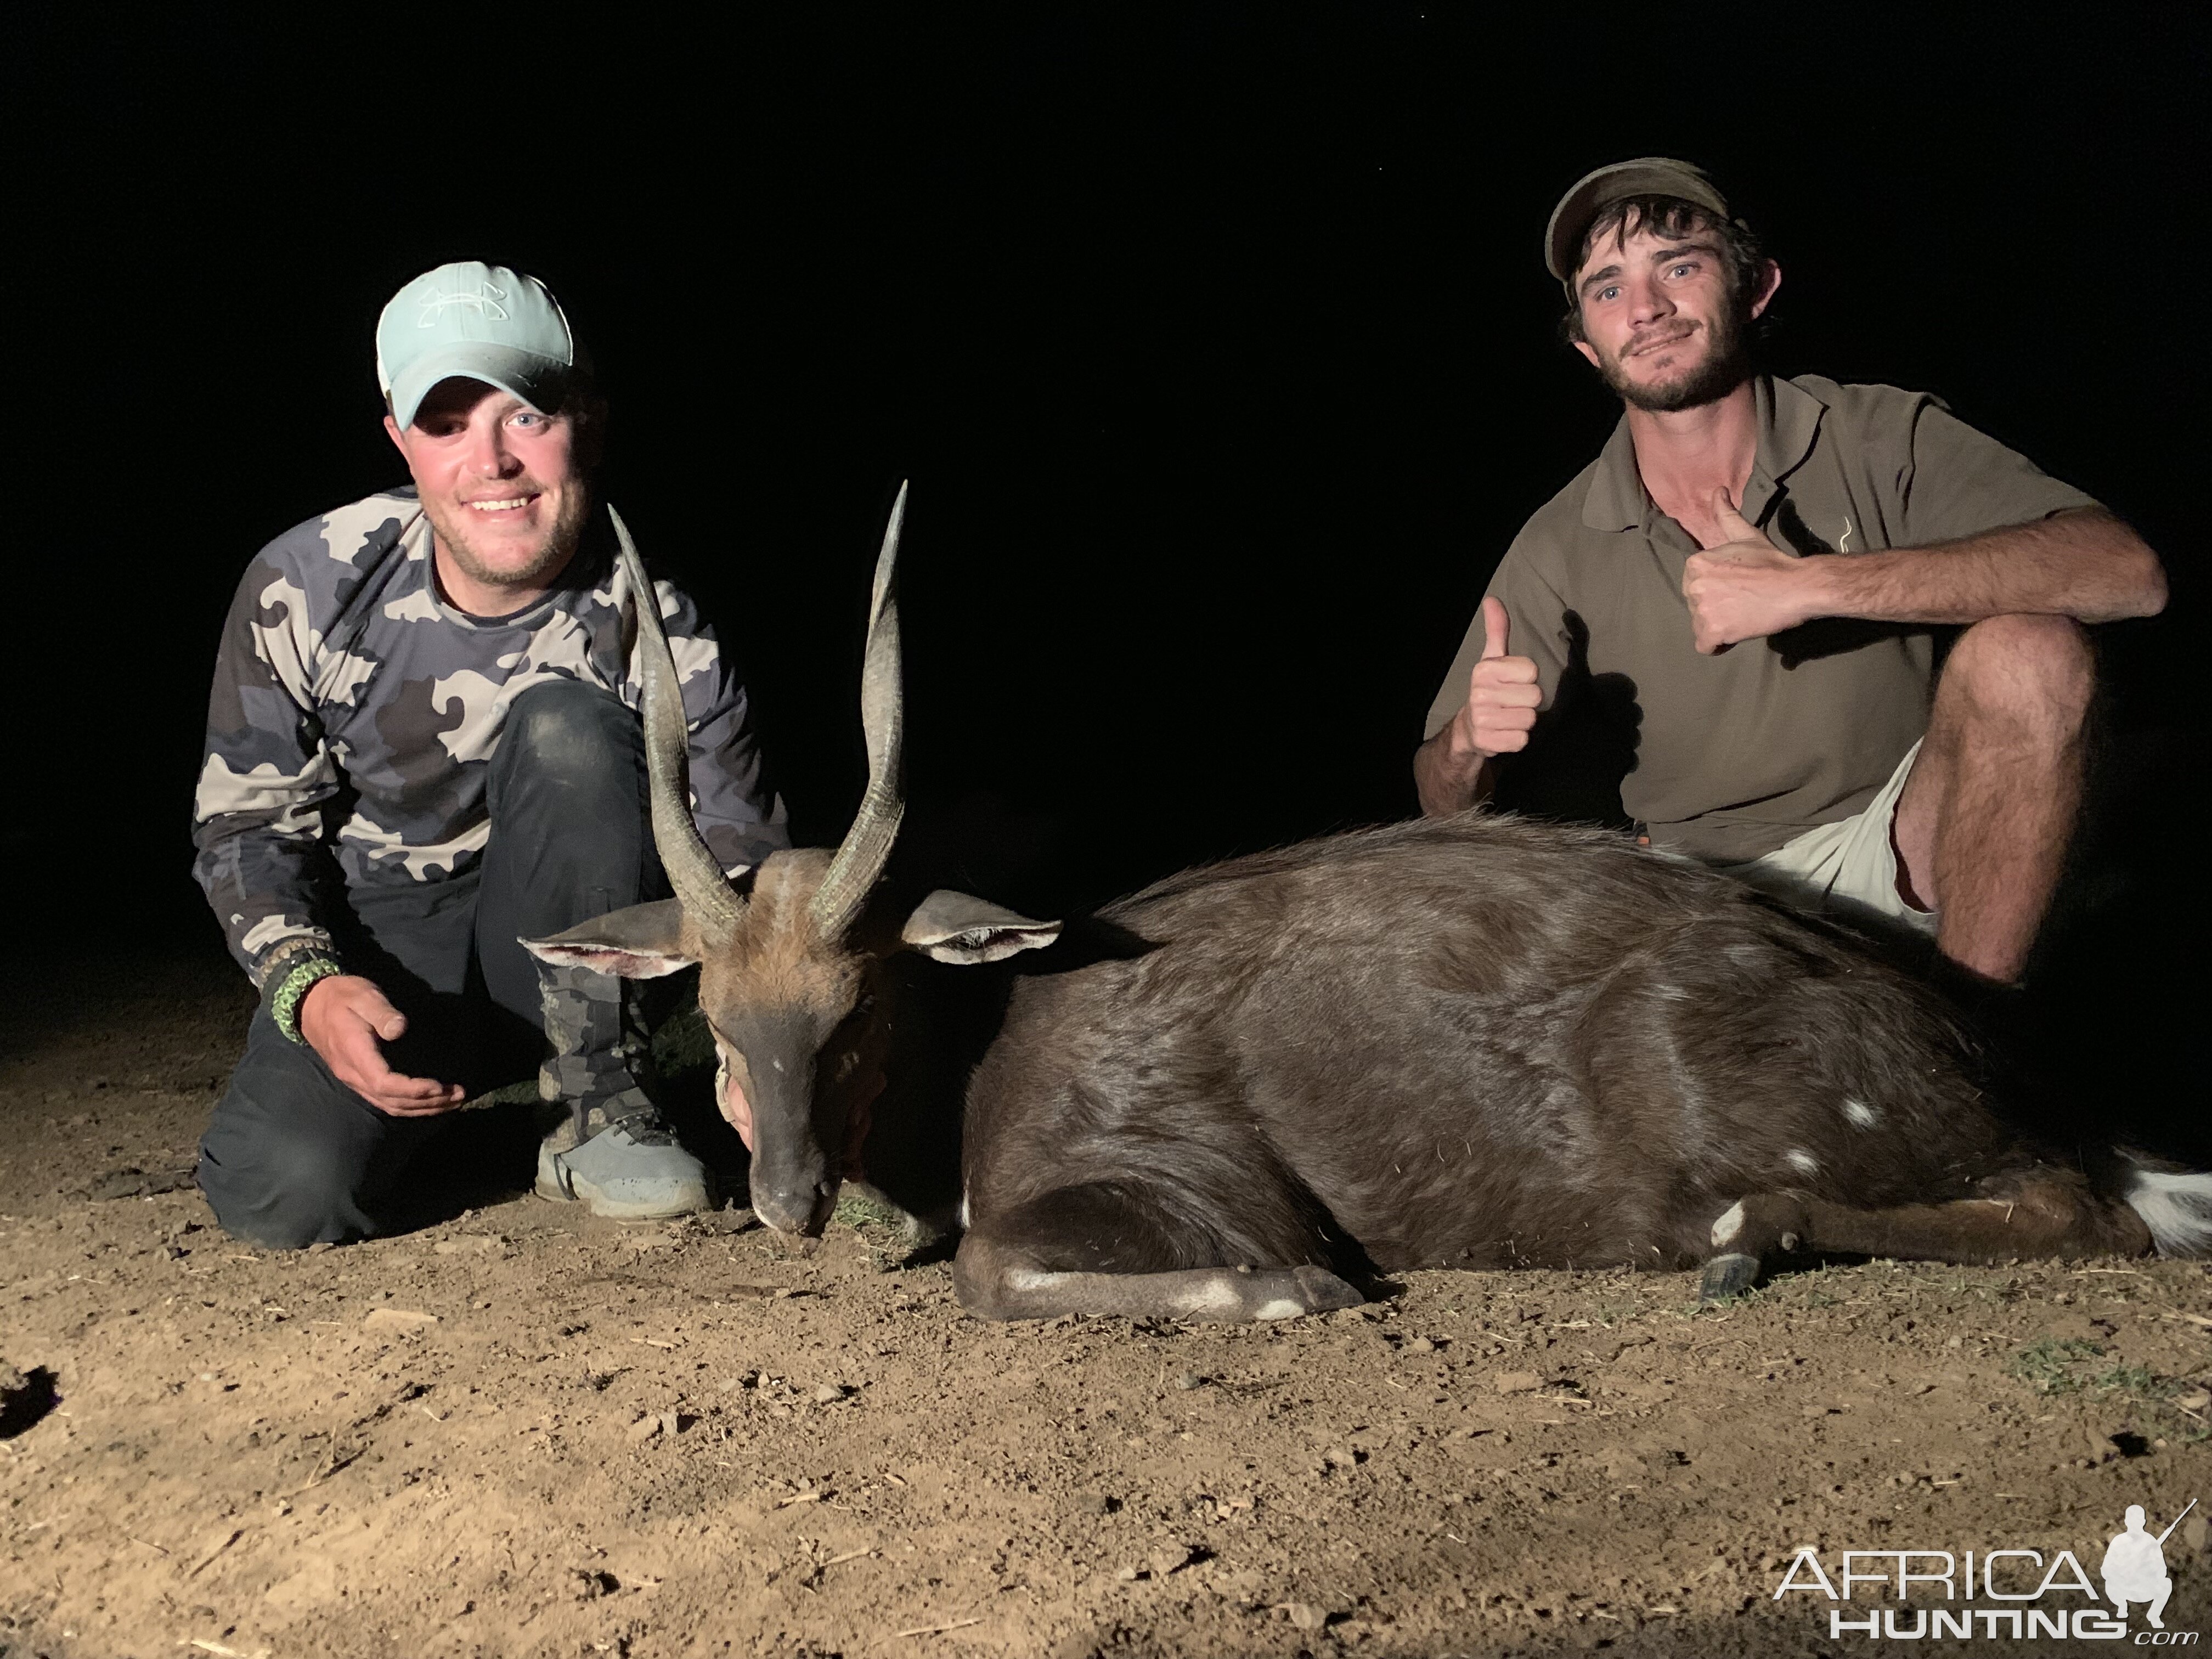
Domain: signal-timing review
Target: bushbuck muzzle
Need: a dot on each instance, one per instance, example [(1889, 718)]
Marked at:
[(787, 954)]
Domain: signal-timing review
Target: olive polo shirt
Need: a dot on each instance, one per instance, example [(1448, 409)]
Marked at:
[(1737, 753)]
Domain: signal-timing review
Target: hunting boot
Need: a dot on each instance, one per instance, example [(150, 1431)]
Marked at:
[(611, 1150)]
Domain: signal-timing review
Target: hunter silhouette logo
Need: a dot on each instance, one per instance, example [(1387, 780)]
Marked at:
[(486, 299), (2027, 1593), (2135, 1566)]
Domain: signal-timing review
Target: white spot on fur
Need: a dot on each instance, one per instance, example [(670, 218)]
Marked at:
[(2176, 1207), (1802, 1161), (963, 1211), (1029, 1278), (1729, 1225), (1859, 1115), (1281, 1308), (1219, 1295)]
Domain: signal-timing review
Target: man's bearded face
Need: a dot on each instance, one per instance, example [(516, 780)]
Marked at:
[(1662, 323), (502, 485), (495, 555)]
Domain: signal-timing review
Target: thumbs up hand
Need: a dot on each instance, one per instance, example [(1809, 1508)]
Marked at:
[(1742, 586), (1503, 695)]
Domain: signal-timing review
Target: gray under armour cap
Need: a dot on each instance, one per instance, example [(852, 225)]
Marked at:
[(1647, 175), (479, 322)]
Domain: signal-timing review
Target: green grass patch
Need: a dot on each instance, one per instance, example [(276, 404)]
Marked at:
[(2138, 1382), (2059, 1365), (862, 1213), (2054, 1365)]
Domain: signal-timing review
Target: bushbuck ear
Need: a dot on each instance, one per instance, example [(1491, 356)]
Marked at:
[(645, 941), (948, 926)]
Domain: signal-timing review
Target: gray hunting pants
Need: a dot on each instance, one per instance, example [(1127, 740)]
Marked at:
[(292, 1155)]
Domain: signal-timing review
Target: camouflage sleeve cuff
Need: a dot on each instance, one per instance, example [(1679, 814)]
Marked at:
[(287, 988), (270, 962)]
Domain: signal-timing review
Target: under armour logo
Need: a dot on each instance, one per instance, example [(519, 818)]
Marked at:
[(486, 299)]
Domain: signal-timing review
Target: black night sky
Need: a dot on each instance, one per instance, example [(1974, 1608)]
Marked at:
[(1215, 340)]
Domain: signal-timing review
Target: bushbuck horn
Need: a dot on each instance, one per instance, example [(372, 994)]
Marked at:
[(692, 870), (868, 845)]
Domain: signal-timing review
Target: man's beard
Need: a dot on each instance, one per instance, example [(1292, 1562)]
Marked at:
[(1726, 366), (453, 531)]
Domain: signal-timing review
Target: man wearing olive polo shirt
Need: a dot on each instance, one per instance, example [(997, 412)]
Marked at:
[(1763, 563)]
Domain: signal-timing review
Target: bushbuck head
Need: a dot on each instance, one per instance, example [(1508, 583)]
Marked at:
[(791, 954)]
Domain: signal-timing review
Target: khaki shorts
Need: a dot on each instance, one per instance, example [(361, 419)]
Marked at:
[(1848, 864)]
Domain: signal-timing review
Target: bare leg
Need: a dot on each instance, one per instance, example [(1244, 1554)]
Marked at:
[(1982, 827), (1096, 1249), (2037, 1213)]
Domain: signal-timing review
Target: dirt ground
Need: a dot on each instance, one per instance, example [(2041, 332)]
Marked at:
[(523, 1432)]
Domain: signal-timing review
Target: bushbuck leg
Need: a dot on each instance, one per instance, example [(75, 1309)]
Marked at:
[(2039, 1212), (1103, 1249)]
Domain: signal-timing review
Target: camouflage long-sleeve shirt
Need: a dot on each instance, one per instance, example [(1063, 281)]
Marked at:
[(355, 714)]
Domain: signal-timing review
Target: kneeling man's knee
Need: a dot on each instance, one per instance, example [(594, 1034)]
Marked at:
[(2035, 670), (567, 729), (287, 1193)]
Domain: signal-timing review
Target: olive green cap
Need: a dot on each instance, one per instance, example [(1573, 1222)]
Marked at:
[(1648, 175)]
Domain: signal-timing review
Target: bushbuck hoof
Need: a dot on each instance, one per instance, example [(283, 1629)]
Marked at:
[(1727, 1277), (1321, 1291)]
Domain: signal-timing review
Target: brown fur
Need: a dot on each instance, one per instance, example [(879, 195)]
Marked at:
[(780, 1001), (1480, 1041), (1477, 1042)]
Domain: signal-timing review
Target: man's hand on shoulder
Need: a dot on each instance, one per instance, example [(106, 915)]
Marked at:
[(342, 1018), (1745, 587)]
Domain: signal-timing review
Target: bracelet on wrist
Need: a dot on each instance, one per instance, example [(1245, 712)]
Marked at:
[(289, 985)]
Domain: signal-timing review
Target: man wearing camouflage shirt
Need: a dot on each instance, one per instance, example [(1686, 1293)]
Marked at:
[(421, 745)]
